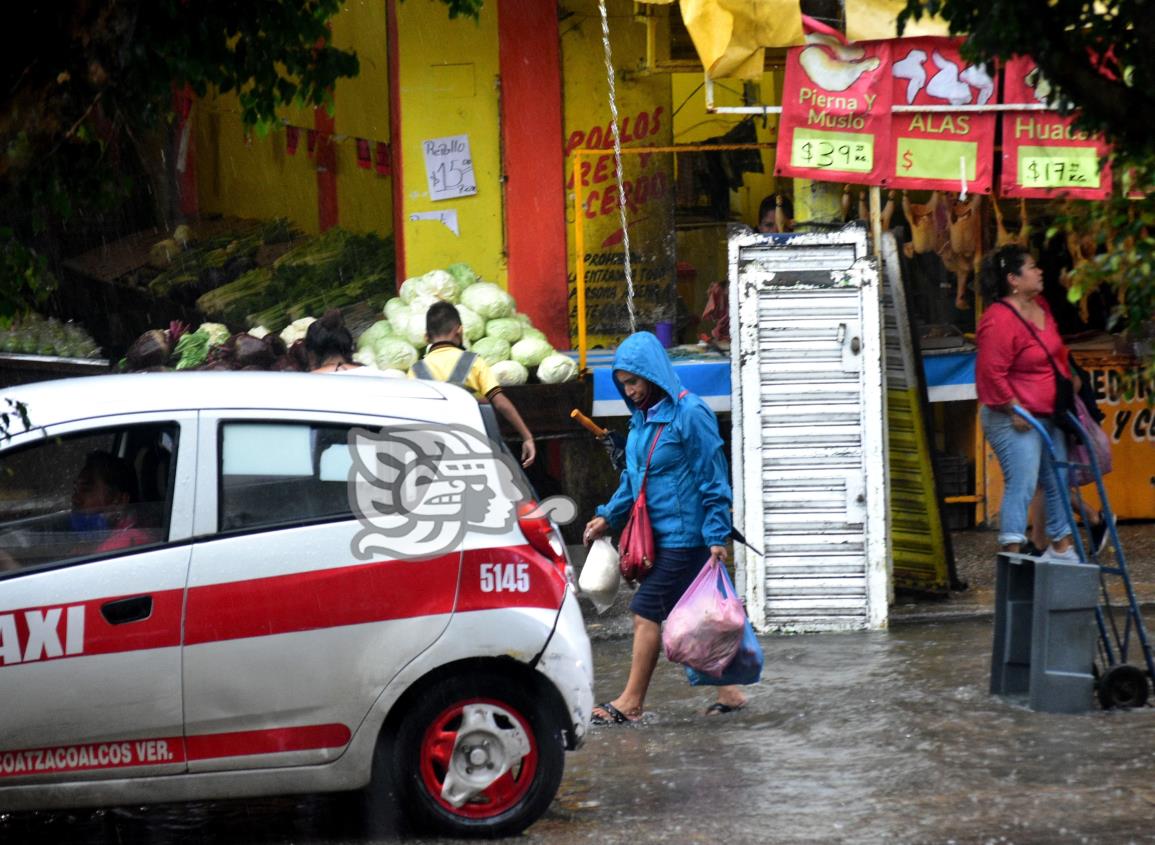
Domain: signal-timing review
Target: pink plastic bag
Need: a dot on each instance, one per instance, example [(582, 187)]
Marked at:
[(705, 627)]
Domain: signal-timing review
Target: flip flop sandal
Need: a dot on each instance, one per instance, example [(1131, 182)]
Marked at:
[(616, 716), (722, 709)]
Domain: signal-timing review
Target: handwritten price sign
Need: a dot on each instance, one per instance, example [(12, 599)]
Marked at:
[(833, 151), (449, 167), (1059, 167)]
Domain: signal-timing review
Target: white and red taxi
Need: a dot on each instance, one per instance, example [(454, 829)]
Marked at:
[(288, 598)]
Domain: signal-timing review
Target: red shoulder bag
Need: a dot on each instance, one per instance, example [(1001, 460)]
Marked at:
[(636, 545)]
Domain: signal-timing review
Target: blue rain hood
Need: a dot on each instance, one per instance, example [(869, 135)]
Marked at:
[(688, 483), (643, 355)]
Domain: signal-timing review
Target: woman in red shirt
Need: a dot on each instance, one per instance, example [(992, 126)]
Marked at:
[(1013, 367)]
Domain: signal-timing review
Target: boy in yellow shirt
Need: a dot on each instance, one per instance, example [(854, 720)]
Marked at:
[(447, 360)]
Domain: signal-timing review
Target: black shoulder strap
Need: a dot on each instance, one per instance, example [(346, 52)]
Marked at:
[(421, 370), (461, 369), (1034, 333)]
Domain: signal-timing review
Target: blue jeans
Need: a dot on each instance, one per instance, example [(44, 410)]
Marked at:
[(1026, 464)]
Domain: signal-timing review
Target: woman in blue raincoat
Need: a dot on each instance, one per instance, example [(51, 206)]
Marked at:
[(688, 495)]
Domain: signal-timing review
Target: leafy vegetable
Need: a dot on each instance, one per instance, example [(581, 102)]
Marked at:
[(438, 284), (556, 368), (408, 289), (510, 372), (191, 350), (530, 331), (217, 333), (462, 274), (393, 353), (395, 306), (492, 349), (506, 328), (488, 300), (296, 330), (471, 322), (530, 351), (374, 333)]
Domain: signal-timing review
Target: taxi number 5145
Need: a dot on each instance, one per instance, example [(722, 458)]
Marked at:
[(505, 577)]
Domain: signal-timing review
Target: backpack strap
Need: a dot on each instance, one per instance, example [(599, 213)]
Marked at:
[(461, 369), (421, 370)]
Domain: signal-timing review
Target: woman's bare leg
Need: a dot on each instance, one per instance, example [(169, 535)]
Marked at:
[(647, 644)]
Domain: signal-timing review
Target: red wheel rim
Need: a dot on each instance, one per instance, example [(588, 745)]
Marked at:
[(437, 748)]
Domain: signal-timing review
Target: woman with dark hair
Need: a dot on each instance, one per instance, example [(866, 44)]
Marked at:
[(1019, 350), (775, 214), (329, 344)]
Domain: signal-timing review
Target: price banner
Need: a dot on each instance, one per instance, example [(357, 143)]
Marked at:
[(835, 123), (941, 150), (1043, 154)]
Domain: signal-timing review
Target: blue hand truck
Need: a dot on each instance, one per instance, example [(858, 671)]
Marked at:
[(1118, 681)]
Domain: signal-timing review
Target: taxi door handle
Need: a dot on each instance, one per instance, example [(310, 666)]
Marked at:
[(127, 610)]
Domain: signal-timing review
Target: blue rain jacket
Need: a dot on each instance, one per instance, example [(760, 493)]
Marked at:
[(688, 486)]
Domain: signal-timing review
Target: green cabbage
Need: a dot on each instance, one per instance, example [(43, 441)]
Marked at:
[(530, 331), (530, 351), (395, 306), (488, 300), (556, 368), (471, 322), (492, 349), (507, 329), (369, 337), (366, 357), (509, 372), (408, 289), (463, 275), (439, 285), (393, 353), (521, 318), (411, 328)]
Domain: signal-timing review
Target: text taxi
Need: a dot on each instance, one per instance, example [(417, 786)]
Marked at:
[(239, 584)]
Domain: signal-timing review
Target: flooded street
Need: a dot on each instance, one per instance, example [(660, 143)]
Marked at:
[(866, 737)]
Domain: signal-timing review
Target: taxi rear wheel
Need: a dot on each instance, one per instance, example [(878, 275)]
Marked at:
[(475, 756)]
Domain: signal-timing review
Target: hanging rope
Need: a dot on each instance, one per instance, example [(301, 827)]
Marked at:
[(618, 165)]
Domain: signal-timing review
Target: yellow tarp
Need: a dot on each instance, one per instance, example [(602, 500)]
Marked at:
[(731, 35), (873, 20)]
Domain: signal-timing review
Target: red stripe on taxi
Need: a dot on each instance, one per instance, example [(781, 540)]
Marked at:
[(491, 579), (155, 752)]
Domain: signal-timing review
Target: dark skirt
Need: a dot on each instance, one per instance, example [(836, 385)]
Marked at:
[(674, 570)]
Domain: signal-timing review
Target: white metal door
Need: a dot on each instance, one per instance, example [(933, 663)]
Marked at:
[(808, 440)]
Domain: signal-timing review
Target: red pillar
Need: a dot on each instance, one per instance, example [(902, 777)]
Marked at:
[(395, 140), (532, 139)]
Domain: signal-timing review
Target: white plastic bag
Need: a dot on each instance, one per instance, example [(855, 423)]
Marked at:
[(600, 578)]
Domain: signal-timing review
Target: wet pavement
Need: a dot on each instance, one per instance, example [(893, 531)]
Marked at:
[(880, 737)]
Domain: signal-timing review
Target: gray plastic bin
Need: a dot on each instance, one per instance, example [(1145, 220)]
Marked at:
[(1044, 638)]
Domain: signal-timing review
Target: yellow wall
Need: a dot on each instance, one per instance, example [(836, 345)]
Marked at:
[(255, 176), (449, 72), (365, 198), (251, 176)]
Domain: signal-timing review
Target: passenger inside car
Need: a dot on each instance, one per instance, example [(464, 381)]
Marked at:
[(103, 499)]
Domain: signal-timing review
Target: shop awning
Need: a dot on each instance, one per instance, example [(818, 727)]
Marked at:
[(731, 36)]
